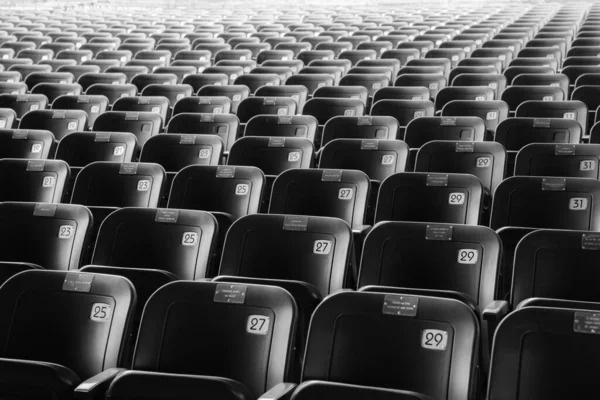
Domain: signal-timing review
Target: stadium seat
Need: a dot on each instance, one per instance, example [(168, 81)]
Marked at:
[(59, 122), (57, 234), (23, 103), (539, 202), (235, 93), (143, 124), (93, 105), (42, 181), (317, 390), (42, 358), (304, 126), (154, 238), (112, 92), (29, 144), (157, 105), (223, 125), (206, 105)]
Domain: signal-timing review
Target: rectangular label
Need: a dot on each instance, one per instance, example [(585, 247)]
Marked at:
[(167, 216), (438, 232), (75, 282), (395, 304), (187, 139), (226, 172), (276, 142), (448, 121), (102, 137), (554, 184), (331, 176), (100, 312), (364, 121), (587, 165), (434, 339), (19, 134), (227, 293), (257, 324), (45, 210), (541, 123), (322, 247), (468, 256), (590, 241), (564, 149), (207, 118), (369, 144), (284, 120), (128, 169), (586, 322), (437, 180), (465, 147), (35, 166), (295, 223)]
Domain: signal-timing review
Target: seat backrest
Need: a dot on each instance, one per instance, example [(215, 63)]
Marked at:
[(514, 96), (331, 390), (87, 337), (555, 203), (323, 109), (422, 130), (154, 104), (551, 264), (93, 105), (321, 192), (450, 93), (41, 181), (402, 93), (206, 105), (338, 337), (425, 197), (316, 250), (485, 160), (112, 92), (177, 241), (140, 184), (30, 144), (176, 151), (491, 112), (433, 82), (233, 190), (272, 155), (422, 255), (79, 149), (235, 93), (546, 159), (143, 124), (404, 110), (59, 122), (571, 109), (57, 234), (223, 125), (368, 127), (376, 158), (514, 133), (522, 343), (184, 345), (252, 106), (21, 104), (304, 126)]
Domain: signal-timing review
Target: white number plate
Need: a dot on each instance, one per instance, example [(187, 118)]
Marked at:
[(456, 199), (66, 231), (36, 148), (434, 339), (257, 324), (387, 160), (346, 194), (48, 181), (204, 153), (72, 126), (322, 247), (293, 156), (119, 150), (578, 203), (468, 256), (189, 239), (483, 162), (143, 186), (242, 189), (100, 312), (587, 165)]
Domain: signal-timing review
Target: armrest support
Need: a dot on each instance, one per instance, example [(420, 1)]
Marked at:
[(96, 386), (496, 311), (283, 391), (49, 378)]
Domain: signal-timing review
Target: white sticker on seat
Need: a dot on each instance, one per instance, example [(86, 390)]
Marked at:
[(468, 256), (322, 247), (242, 189), (578, 203), (204, 153), (258, 324), (143, 185), (569, 115), (293, 156), (66, 231), (434, 339), (492, 115), (48, 181), (72, 126), (483, 162), (387, 159), (346, 194), (456, 199), (118, 150), (100, 312), (36, 148), (189, 239), (587, 165)]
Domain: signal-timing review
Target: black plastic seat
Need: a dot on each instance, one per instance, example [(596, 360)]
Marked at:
[(223, 125), (422, 130), (485, 160), (553, 160), (343, 92), (571, 109), (171, 306), (141, 81), (427, 197), (30, 144), (42, 181), (173, 93), (492, 112), (304, 126), (433, 82), (199, 81), (450, 93), (253, 106), (403, 110), (540, 202), (93, 105), (393, 318), (21, 104), (298, 93), (59, 122), (323, 109), (57, 234), (368, 127), (43, 359), (514, 96), (316, 250), (177, 241), (113, 78), (206, 105), (273, 155), (557, 80), (402, 93), (317, 390), (143, 125), (157, 104)]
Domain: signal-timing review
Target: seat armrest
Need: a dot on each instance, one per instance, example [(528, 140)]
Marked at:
[(362, 230), (96, 386), (37, 376), (496, 311), (283, 391)]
